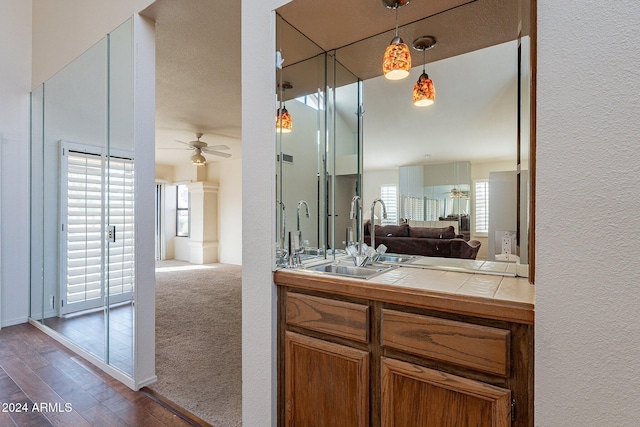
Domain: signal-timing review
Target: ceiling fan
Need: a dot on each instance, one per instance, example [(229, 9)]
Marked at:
[(202, 147)]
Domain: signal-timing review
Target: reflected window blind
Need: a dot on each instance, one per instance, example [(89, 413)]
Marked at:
[(413, 208), (388, 194), (86, 228), (120, 262), (482, 207), (432, 210)]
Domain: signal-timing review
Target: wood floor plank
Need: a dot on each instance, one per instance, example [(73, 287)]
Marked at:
[(101, 416), (32, 385), (68, 419), (8, 388), (30, 419), (66, 388), (30, 357), (6, 421), (77, 373)]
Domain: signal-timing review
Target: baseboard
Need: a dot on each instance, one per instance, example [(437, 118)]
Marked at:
[(147, 382), (17, 321)]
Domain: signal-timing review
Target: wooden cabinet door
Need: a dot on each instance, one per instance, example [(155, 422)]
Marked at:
[(326, 384), (413, 395)]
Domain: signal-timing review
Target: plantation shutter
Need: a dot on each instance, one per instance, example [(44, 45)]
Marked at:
[(433, 209), (84, 227), (482, 207), (413, 208), (388, 194), (98, 199), (120, 262)]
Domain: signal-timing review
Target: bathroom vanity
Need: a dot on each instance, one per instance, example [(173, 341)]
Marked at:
[(406, 347)]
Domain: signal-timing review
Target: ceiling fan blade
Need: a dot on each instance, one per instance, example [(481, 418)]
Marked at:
[(215, 147), (219, 153), (173, 148), (182, 142)]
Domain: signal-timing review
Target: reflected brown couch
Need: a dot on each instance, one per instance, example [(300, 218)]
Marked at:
[(425, 241)]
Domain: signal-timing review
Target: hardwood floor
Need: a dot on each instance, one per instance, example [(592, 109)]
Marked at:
[(44, 384)]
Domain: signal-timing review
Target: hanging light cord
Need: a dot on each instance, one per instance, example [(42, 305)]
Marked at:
[(424, 60), (396, 8)]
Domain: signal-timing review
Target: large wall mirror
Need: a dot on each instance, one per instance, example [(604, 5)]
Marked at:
[(463, 161), (317, 145), (85, 257)]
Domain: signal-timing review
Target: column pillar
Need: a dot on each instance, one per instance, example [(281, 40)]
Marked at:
[(203, 238)]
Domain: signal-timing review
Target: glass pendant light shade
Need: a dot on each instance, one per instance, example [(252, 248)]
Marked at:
[(198, 159), (284, 123), (396, 63), (424, 92)]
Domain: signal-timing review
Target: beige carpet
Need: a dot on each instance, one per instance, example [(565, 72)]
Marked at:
[(198, 339)]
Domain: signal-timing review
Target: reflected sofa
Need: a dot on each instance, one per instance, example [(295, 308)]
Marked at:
[(425, 241)]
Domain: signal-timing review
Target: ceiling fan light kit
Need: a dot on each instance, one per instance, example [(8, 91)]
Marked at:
[(396, 63), (198, 159), (200, 147), (424, 91)]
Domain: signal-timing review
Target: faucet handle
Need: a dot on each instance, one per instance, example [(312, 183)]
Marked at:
[(381, 249)]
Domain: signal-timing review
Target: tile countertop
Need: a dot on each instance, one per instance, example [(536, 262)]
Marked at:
[(482, 295)]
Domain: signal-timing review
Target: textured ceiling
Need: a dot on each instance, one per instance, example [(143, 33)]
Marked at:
[(198, 86), (197, 75)]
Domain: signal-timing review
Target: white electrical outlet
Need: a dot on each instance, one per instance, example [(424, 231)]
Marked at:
[(506, 245)]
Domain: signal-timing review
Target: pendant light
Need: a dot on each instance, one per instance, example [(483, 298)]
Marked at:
[(424, 92), (396, 63), (198, 159), (284, 123)]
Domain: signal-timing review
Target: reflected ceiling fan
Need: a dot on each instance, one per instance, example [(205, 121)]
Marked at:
[(456, 193), (202, 147)]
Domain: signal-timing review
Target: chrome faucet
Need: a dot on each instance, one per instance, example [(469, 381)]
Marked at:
[(373, 220), (360, 258), (283, 224), (306, 205), (358, 217)]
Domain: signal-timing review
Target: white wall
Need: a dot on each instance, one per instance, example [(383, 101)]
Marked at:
[(258, 219), (15, 84), (587, 263)]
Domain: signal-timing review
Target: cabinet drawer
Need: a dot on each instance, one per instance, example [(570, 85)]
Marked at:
[(482, 348), (339, 318)]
